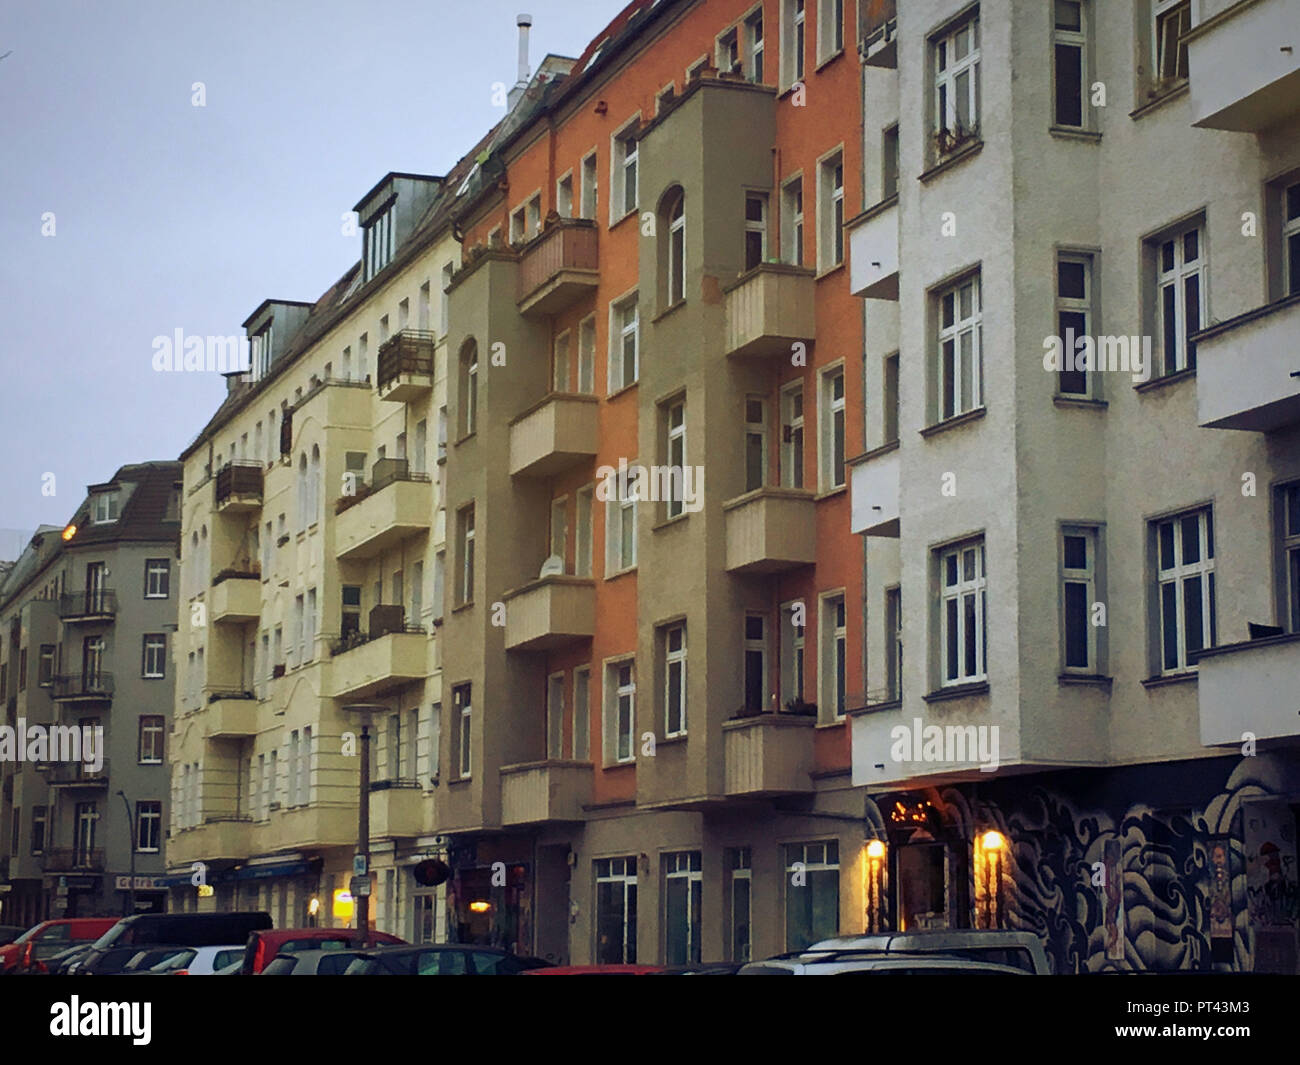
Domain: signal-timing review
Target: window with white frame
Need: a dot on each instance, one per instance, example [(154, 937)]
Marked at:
[(444, 303), (1180, 291), (378, 240), (462, 705), (1079, 651), (560, 363), (834, 655), (755, 663), (812, 901), (582, 713), (624, 176), (674, 414), (148, 816), (587, 355), (674, 645), (152, 732), (676, 249), (793, 42), (555, 716), (104, 507), (683, 907), (582, 550), (589, 186), (1073, 321), (792, 221), (623, 354), (960, 368), (830, 29), (533, 214), (1184, 546), (615, 910), (564, 196), (518, 225), (1069, 62), (465, 549), (469, 389), (956, 57), (727, 53), (755, 442), (754, 46), (830, 211), (1288, 536), (620, 532), (755, 229), (620, 712), (792, 436), (1171, 20), (740, 882), (962, 614), (155, 655), (1291, 240), (832, 441), (894, 643), (157, 578), (560, 530)]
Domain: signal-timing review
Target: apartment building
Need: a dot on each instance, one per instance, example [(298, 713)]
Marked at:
[(1081, 583), (88, 616)]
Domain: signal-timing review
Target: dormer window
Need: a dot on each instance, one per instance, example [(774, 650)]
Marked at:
[(262, 351), (104, 507), (379, 242)]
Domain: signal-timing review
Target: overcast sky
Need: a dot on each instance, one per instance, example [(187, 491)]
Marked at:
[(170, 216)]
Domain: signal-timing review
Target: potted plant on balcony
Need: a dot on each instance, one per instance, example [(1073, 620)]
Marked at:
[(800, 708), (948, 140)]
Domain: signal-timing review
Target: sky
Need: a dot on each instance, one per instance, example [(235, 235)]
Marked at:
[(127, 212)]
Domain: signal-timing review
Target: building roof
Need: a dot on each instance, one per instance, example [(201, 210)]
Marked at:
[(143, 515)]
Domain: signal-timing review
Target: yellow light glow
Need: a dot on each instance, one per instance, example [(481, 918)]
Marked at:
[(875, 849), (993, 841), (480, 907), (344, 907), (206, 891), (313, 907), (69, 532)]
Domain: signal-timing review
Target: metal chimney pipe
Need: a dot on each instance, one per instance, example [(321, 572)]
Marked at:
[(523, 22)]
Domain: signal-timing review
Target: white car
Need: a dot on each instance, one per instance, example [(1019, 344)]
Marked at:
[(1021, 950), (200, 961), (854, 963)]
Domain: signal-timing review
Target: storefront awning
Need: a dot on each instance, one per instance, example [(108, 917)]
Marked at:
[(259, 872)]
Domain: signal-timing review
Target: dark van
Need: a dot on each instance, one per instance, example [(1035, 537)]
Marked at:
[(125, 939)]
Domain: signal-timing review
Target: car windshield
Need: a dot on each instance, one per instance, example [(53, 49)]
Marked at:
[(111, 936), (28, 934), (176, 961)]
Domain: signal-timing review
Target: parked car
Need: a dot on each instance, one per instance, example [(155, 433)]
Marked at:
[(311, 963), (598, 970), (128, 936), (143, 961), (28, 952), (443, 959), (234, 968), (10, 932), (61, 964), (1023, 950), (853, 963), (200, 961), (265, 944)]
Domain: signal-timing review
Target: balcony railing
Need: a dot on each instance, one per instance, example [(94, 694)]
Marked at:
[(94, 604), (76, 774), (406, 364), (74, 860), (238, 486), (879, 37), (382, 474), (558, 268), (97, 685)]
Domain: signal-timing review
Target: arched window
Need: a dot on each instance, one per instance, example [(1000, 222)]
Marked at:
[(468, 388), (672, 247), (317, 486), (303, 500)]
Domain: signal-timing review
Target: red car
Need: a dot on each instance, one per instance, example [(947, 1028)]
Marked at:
[(265, 945), (28, 952)]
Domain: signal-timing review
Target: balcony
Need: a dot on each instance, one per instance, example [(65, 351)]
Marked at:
[(406, 365), (1249, 687), (770, 530), (768, 310), (315, 826), (236, 598), (558, 268), (396, 809), (550, 613), (873, 487), (1246, 367), (558, 433), (879, 47), (768, 754), (1244, 66), (74, 860), (230, 716), (341, 403), (83, 687), (217, 839), (76, 775), (873, 252), (97, 604), (395, 504), (539, 792), (377, 665), (238, 487)]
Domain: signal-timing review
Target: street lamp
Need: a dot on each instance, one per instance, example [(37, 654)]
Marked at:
[(130, 842), (361, 868)]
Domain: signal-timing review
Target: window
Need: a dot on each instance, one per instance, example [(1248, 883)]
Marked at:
[(675, 453), (830, 210), (420, 449), (793, 42), (45, 665), (262, 349), (1288, 533), (38, 829), (560, 531), (148, 817), (889, 399), (792, 648), (615, 911), (425, 308), (589, 194), (957, 84), (1185, 586), (963, 613), (444, 304), (468, 388), (555, 716), (889, 163), (792, 221), (463, 704), (728, 51), (812, 893), (792, 436), (676, 275), (834, 655), (1291, 240), (755, 442), (674, 644), (755, 663), (1171, 21), (582, 713), (439, 583), (894, 643), (754, 46), (683, 892), (304, 766), (104, 507), (564, 196), (620, 532), (832, 442), (465, 548), (518, 226), (157, 578), (587, 355), (755, 229), (664, 98), (623, 348), (560, 363), (363, 364), (1073, 320), (960, 368), (378, 241), (1069, 56), (1078, 593), (739, 892), (310, 626), (582, 545), (830, 29), (624, 162), (155, 656), (620, 686), (1180, 287), (16, 830), (534, 215), (152, 729)]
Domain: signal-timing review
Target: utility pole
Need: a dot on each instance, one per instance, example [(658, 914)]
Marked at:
[(130, 843), (362, 901)]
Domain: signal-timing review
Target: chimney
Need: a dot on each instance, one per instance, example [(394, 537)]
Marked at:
[(523, 22)]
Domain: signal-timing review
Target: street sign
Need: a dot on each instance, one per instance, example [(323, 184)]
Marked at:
[(360, 886), (359, 865)]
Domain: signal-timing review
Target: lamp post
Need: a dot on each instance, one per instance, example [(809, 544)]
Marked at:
[(361, 901), (130, 843)]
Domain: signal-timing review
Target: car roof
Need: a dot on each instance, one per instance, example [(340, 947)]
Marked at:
[(963, 937), (299, 955)]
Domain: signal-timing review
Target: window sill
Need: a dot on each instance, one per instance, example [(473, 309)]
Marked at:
[(954, 422), (669, 741), (620, 391), (1186, 677), (834, 723), (871, 708), (616, 222), (789, 90), (1075, 133), (822, 64), (947, 163), (676, 519), (957, 691), (620, 573), (461, 439), (832, 269), (462, 606), (1080, 402), (1086, 680), (831, 492), (875, 452), (1168, 379), (459, 781), (668, 310), (1156, 102)]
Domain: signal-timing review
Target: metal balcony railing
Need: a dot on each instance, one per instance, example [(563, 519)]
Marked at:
[(239, 479), (93, 685), (76, 773), (91, 603), (74, 859), (408, 351), (570, 244), (383, 473)]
